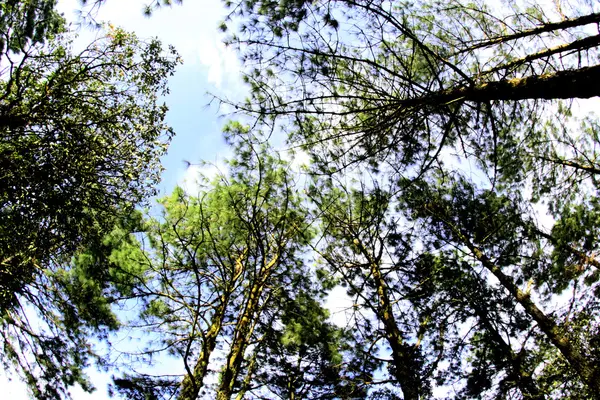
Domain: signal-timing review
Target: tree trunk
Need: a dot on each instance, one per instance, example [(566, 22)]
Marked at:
[(248, 378), (585, 370), (580, 83), (524, 381), (243, 332), (406, 370), (593, 18), (191, 385)]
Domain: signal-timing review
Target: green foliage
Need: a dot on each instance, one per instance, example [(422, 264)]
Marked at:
[(142, 388), (228, 266), (81, 137), (27, 22), (311, 358), (47, 335), (454, 190)]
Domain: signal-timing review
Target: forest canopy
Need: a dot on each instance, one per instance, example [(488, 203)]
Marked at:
[(82, 133), (451, 196)]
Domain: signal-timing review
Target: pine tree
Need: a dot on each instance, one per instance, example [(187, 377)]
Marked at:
[(225, 286)]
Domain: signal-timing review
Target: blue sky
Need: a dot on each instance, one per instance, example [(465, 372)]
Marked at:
[(208, 67)]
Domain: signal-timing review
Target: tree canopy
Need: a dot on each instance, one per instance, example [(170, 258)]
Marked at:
[(23, 23), (452, 194), (442, 144), (81, 137), (226, 289), (405, 80)]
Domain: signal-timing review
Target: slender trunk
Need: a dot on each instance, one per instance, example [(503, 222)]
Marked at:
[(406, 370), (238, 345), (291, 388), (191, 385), (549, 27), (236, 353), (578, 45), (591, 169), (248, 377), (243, 332), (578, 361)]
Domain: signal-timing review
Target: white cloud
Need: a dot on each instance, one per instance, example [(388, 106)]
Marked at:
[(298, 159), (221, 61), (13, 388), (191, 27), (196, 176), (340, 306)]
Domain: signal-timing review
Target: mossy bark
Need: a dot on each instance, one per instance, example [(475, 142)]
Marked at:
[(244, 330), (191, 385)]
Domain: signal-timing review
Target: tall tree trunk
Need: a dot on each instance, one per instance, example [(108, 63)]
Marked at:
[(406, 369), (191, 385), (593, 18), (569, 84), (588, 373), (243, 331), (248, 378), (579, 83), (583, 258)]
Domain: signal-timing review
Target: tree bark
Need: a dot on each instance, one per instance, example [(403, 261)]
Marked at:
[(580, 83), (578, 361), (593, 18), (406, 369), (191, 385), (243, 332)]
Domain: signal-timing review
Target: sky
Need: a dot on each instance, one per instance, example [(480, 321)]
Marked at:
[(209, 67)]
